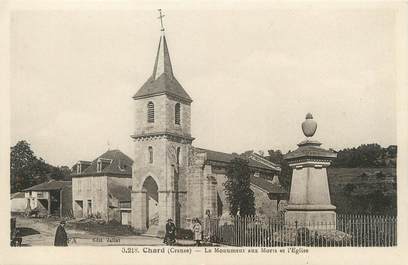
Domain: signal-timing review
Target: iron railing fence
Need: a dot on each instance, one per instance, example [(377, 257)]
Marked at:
[(346, 231)]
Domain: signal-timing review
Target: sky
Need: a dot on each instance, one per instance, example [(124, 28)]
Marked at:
[(253, 75)]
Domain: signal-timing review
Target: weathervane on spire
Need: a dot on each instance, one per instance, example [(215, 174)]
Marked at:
[(161, 19)]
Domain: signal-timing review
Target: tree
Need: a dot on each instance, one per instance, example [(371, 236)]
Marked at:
[(349, 188), (59, 173), (237, 188), (23, 166), (27, 170), (366, 155), (285, 176)]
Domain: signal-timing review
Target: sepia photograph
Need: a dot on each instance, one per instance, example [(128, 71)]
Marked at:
[(171, 129)]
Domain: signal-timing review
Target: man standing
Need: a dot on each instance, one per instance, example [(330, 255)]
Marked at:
[(61, 238)]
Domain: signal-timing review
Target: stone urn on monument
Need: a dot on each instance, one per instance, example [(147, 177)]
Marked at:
[(309, 200)]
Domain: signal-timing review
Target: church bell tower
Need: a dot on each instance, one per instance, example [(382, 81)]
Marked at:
[(162, 147)]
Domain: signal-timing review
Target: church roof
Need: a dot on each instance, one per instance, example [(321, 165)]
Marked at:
[(268, 186), (119, 164), (162, 81), (215, 156)]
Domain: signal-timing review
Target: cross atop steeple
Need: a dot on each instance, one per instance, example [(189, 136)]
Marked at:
[(162, 80), (161, 16)]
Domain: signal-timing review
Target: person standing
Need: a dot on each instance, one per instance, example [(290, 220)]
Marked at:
[(198, 232), (170, 236), (61, 238), (207, 226)]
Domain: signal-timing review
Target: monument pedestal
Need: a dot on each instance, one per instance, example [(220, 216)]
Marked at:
[(316, 217), (309, 201)]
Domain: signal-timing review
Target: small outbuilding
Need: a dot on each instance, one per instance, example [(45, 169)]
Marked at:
[(51, 198), (18, 202)]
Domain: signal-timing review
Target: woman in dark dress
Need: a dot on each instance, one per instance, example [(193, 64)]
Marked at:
[(170, 236), (61, 238)]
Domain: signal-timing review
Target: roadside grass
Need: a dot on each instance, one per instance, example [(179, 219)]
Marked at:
[(100, 229)]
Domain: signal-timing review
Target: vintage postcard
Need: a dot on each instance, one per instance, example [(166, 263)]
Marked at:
[(204, 133)]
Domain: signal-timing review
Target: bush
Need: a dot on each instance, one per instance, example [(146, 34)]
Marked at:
[(184, 234)]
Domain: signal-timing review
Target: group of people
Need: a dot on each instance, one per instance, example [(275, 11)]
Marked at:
[(196, 228), (61, 238)]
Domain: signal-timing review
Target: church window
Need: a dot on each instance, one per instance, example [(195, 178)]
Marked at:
[(150, 112), (177, 113), (150, 155), (178, 155)]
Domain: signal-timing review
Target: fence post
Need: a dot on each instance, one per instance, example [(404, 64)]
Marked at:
[(253, 231), (236, 234), (395, 230), (388, 232), (376, 240), (268, 231), (365, 231), (370, 228)]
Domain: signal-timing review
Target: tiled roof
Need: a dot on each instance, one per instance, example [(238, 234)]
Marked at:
[(118, 158), (50, 185), (268, 186), (162, 85), (17, 195), (162, 80), (122, 193), (226, 158)]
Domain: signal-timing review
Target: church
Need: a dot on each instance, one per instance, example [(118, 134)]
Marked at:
[(166, 176), (170, 177)]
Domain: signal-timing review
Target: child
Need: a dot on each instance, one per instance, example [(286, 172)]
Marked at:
[(197, 230)]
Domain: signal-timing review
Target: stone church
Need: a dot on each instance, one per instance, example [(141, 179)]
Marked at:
[(171, 178)]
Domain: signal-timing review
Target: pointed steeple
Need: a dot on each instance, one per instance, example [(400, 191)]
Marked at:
[(162, 80), (162, 64)]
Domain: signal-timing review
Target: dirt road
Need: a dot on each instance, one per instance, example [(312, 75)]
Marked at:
[(41, 232)]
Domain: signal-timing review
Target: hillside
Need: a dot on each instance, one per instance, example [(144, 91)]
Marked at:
[(364, 190)]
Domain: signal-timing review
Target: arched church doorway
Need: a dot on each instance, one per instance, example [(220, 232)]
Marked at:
[(152, 202)]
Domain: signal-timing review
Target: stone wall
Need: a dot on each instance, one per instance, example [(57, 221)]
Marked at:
[(184, 128), (18, 204), (163, 170), (163, 116), (195, 187), (263, 205), (93, 188)]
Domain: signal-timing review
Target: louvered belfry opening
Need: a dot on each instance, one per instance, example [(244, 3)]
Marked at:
[(150, 112), (177, 114)]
